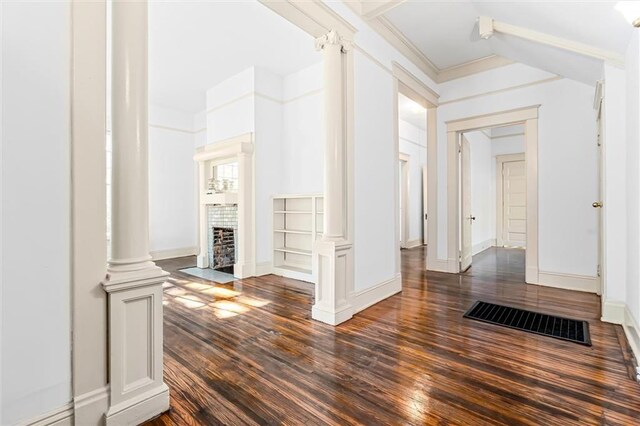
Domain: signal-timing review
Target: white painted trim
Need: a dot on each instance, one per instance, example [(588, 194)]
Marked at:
[(553, 41), (482, 246), (472, 67), (172, 129), (241, 97), (404, 171), (370, 296), (373, 9), (263, 268), (140, 408), (613, 312), (62, 416), (372, 58), (173, 253), (91, 406), (494, 119), (528, 116), (414, 84), (506, 136), (89, 354), (414, 243), (500, 160), (503, 90), (568, 281), (632, 331)]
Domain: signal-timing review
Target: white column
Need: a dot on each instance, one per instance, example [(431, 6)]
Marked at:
[(134, 282), (332, 47), (333, 255)]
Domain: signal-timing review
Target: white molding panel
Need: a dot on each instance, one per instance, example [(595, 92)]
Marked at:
[(632, 331)]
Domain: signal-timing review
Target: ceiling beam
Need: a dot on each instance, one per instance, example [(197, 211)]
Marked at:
[(487, 27)]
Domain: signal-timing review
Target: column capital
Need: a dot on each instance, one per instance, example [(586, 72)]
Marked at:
[(335, 39)]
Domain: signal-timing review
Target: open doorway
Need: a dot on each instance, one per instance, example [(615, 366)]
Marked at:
[(493, 200), (412, 162)]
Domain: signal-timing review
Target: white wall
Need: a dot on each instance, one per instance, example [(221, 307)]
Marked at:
[(172, 181), (303, 131), (567, 138), (413, 143), (614, 190), (633, 176), (35, 337)]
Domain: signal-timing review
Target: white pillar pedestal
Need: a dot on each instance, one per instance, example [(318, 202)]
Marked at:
[(333, 255), (133, 283)]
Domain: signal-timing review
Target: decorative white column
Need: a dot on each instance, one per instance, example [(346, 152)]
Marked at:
[(133, 282), (333, 255)]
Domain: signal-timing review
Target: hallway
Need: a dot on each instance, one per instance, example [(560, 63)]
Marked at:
[(248, 353)]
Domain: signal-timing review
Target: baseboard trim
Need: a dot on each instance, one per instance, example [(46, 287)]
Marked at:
[(482, 246), (140, 409), (568, 281), (437, 265), (372, 295), (332, 317), (173, 253), (264, 268), (632, 331), (613, 312), (414, 243), (62, 416)]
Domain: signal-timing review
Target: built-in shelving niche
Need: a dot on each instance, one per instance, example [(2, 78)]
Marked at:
[(297, 224)]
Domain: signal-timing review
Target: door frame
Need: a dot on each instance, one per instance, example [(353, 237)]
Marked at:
[(404, 198), (409, 85), (500, 160), (527, 116)]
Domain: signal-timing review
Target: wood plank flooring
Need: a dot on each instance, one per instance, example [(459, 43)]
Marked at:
[(247, 353)]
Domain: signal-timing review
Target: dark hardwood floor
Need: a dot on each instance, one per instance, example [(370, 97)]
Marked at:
[(248, 353)]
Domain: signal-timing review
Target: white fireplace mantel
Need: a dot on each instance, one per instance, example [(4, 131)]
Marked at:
[(240, 149)]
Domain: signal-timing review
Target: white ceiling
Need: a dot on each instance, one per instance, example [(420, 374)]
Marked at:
[(412, 112), (446, 31), (195, 45)]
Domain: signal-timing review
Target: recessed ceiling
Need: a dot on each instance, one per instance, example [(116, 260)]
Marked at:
[(412, 112), (195, 45), (447, 33)]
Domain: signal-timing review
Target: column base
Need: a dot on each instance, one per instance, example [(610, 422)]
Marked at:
[(137, 410), (333, 263), (136, 388)]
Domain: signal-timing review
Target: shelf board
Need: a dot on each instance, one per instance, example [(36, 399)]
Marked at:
[(293, 212), (292, 231), (293, 250), (293, 269)]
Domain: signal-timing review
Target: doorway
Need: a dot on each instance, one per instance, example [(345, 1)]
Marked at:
[(487, 216), (403, 194)]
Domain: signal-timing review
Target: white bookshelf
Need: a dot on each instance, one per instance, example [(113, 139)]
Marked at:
[(297, 224)]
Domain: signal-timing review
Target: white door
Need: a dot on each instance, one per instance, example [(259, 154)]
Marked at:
[(598, 203), (465, 205), (424, 205), (514, 204)]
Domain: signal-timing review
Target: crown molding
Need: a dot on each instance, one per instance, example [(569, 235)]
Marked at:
[(472, 67), (371, 12)]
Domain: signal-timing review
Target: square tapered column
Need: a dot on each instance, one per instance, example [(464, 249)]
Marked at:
[(333, 255), (133, 283)]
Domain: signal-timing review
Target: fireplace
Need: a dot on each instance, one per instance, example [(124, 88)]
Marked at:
[(223, 229)]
